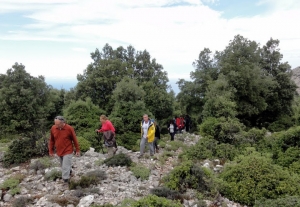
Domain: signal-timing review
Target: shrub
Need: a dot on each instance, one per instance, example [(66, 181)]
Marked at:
[(254, 135), (207, 128), (127, 202), (255, 177), (84, 144), (226, 151), (12, 184), (53, 174), (203, 149), (166, 154), (90, 178), (21, 201), (286, 158), (289, 201), (167, 193), (153, 200), (282, 123), (129, 140), (140, 171), (189, 175), (162, 144), (65, 200), (118, 160), (41, 164), (175, 145), (20, 150)]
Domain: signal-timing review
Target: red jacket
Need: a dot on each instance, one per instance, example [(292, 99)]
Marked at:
[(107, 126), (63, 140)]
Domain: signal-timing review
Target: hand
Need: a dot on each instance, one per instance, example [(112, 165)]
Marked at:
[(77, 154), (51, 155), (96, 130)]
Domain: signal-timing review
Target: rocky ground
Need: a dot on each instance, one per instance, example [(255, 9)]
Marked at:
[(119, 184)]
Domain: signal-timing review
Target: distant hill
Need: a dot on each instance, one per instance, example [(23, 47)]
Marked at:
[(296, 77)]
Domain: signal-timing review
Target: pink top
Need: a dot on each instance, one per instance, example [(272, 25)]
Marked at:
[(107, 126)]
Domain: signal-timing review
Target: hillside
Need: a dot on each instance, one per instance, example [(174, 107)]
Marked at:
[(40, 187)]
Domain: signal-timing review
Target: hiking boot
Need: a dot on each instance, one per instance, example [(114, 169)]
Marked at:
[(72, 173), (140, 156)]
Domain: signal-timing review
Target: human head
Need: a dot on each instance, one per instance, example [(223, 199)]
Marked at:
[(153, 121), (171, 121), (145, 117), (59, 121), (103, 118)]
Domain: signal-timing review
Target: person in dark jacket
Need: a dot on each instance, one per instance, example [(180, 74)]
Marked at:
[(172, 127), (157, 136)]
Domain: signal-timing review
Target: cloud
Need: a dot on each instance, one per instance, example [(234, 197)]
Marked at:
[(174, 35)]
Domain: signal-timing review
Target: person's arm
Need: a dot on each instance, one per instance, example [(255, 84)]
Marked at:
[(75, 141), (51, 143)]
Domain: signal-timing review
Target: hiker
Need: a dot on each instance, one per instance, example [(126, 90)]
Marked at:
[(178, 124), (172, 129), (63, 137), (157, 136), (187, 123), (109, 134), (147, 135)]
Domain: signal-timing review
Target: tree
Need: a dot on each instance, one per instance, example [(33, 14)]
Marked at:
[(129, 106), (23, 100)]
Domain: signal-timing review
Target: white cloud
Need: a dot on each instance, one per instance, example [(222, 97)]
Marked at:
[(173, 35)]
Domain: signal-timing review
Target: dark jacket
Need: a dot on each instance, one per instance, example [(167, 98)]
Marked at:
[(157, 132)]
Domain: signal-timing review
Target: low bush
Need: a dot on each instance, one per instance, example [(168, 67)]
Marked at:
[(129, 140), (255, 177), (19, 151), (189, 175), (175, 145), (12, 184), (167, 193), (284, 122), (203, 149), (289, 201), (53, 174), (164, 156), (140, 171), (21, 201), (41, 164), (84, 144), (90, 178), (118, 160), (153, 200), (64, 200)]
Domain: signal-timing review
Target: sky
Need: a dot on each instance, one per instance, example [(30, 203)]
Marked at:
[(54, 38)]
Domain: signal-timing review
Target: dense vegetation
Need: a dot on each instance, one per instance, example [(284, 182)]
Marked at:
[(241, 100)]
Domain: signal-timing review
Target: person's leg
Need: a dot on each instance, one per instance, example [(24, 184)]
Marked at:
[(142, 146), (151, 147), (172, 136), (66, 167)]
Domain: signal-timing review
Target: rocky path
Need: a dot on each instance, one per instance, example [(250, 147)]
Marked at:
[(119, 184)]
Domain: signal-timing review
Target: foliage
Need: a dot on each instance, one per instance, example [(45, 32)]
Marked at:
[(21, 201), (203, 149), (90, 178), (83, 116), (23, 100), (140, 171), (12, 184), (118, 160), (289, 201), (189, 175), (167, 193), (64, 200), (53, 174), (153, 200), (84, 144), (175, 145), (20, 150), (255, 177), (41, 164), (129, 140), (129, 106), (282, 123)]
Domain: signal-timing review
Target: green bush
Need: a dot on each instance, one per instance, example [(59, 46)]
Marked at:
[(282, 123), (286, 158), (208, 127), (118, 160), (189, 175), (19, 151), (155, 201), (255, 177), (41, 164), (12, 184), (140, 171), (175, 145), (289, 201), (83, 144), (226, 151), (129, 140), (52, 175), (167, 193), (90, 178), (203, 149)]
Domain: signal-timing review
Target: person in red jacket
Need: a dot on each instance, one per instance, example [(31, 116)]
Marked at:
[(63, 137), (108, 126)]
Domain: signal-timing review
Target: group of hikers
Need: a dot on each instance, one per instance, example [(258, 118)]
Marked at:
[(63, 138)]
